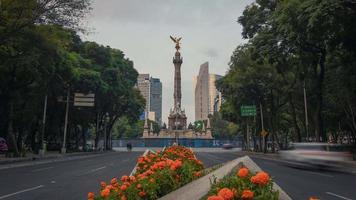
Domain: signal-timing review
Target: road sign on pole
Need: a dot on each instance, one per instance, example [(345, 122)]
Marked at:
[(86, 100), (247, 111)]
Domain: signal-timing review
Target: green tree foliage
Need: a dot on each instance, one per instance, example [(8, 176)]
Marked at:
[(41, 55), (292, 45)]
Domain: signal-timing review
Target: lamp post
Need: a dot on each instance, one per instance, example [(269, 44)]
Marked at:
[(106, 120), (63, 150)]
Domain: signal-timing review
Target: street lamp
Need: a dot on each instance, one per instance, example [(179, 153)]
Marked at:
[(106, 120)]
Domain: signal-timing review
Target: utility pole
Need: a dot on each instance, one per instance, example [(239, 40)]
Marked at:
[(63, 150), (306, 112), (42, 150), (263, 127)]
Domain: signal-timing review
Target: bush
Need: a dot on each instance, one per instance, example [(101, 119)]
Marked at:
[(157, 174)]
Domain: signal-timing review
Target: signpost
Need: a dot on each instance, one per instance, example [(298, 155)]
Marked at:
[(248, 111), (86, 100)]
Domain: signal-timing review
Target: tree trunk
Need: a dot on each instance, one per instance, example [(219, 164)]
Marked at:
[(10, 130), (297, 136), (319, 105)]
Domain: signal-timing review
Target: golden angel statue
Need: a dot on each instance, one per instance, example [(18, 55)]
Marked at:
[(177, 41)]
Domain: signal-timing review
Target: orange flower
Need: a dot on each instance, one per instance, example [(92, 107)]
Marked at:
[(123, 198), (113, 181), (138, 186), (247, 194), (91, 195), (123, 187), (105, 193), (132, 179), (314, 198), (215, 198), (226, 194), (102, 184), (124, 178), (261, 178), (142, 193), (197, 174), (152, 180), (243, 172)]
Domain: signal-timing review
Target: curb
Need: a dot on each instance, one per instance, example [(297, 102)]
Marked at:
[(200, 187)]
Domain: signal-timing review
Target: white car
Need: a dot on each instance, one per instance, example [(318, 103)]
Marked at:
[(321, 155)]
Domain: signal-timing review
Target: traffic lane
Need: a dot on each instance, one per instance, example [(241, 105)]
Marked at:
[(303, 183), (64, 180), (211, 159)]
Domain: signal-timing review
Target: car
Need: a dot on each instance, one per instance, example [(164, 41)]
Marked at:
[(227, 146), (316, 155), (3, 145)]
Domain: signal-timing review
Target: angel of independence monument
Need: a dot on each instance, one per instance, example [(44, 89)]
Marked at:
[(177, 120)]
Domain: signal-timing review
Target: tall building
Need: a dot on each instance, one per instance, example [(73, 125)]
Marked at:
[(202, 93), (207, 97), (156, 99), (214, 94), (151, 90)]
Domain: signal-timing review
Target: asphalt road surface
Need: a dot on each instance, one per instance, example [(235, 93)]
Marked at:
[(298, 183), (64, 180), (71, 180)]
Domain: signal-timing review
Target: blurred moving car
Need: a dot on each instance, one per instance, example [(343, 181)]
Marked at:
[(320, 155), (3, 145), (227, 146)]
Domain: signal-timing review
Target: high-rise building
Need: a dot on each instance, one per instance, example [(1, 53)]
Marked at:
[(207, 97), (214, 94), (202, 93), (156, 99), (151, 90)]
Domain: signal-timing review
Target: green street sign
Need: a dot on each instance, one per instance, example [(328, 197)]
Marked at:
[(247, 111)]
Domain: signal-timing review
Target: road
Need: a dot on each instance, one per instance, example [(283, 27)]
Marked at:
[(64, 180), (298, 183), (71, 180)]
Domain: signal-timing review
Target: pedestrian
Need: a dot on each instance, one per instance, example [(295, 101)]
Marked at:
[(129, 146)]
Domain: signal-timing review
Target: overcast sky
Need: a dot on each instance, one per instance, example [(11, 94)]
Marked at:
[(141, 29)]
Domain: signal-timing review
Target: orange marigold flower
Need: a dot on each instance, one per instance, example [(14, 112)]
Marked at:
[(247, 194), (123, 187), (132, 179), (105, 193), (91, 195), (113, 181), (243, 172), (138, 186), (102, 184), (215, 198), (226, 193), (124, 178), (142, 193), (152, 180), (197, 174), (123, 198), (314, 198), (261, 178)]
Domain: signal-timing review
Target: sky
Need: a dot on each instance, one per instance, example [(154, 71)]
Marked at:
[(141, 29)]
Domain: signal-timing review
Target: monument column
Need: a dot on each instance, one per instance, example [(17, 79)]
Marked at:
[(177, 61)]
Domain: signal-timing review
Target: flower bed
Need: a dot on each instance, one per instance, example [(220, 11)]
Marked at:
[(243, 185), (156, 175)]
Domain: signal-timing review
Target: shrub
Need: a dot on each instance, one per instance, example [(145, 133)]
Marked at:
[(156, 174), (243, 185)]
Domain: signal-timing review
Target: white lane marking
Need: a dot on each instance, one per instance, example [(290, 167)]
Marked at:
[(22, 191), (336, 195), (53, 182), (97, 169), (42, 169), (320, 174)]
